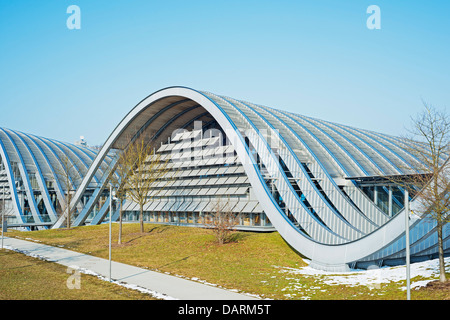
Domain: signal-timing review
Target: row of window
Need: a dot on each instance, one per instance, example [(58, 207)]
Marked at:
[(196, 218)]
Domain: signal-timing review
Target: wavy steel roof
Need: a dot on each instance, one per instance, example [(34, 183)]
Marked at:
[(335, 223), (41, 160)]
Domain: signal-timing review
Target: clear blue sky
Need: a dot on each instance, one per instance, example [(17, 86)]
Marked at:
[(315, 58)]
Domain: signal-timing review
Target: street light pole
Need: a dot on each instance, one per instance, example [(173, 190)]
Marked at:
[(3, 213), (408, 280), (110, 220)]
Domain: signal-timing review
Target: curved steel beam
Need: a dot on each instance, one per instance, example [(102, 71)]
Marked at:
[(25, 179)]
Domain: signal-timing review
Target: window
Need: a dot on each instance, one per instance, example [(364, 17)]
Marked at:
[(245, 219), (199, 218), (256, 219)]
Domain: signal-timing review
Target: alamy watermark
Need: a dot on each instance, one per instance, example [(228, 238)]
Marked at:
[(374, 277), (74, 280), (374, 20), (73, 22)]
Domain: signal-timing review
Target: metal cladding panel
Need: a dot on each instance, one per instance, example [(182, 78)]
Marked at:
[(366, 206), (151, 205), (399, 147), (249, 207), (354, 152), (168, 206), (25, 154), (323, 177), (395, 160), (363, 222), (9, 148), (192, 206), (337, 153), (423, 237), (257, 209), (282, 184), (201, 206), (41, 159), (373, 155), (160, 204), (211, 191)]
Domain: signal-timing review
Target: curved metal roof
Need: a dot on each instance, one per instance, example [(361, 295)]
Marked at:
[(333, 222), (35, 165)]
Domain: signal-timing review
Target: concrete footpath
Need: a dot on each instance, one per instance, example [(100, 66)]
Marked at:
[(161, 285)]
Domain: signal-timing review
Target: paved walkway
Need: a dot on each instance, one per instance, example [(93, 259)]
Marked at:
[(170, 286)]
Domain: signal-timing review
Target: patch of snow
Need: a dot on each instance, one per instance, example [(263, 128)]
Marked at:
[(426, 269), (419, 284)]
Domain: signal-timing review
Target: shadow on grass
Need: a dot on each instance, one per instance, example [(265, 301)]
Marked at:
[(236, 237), (159, 229), (138, 235), (176, 261), (133, 239)]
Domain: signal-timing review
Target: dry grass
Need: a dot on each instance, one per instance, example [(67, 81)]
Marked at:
[(251, 263), (27, 278)]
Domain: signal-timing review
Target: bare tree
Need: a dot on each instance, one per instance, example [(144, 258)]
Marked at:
[(117, 179), (145, 167), (429, 142), (222, 221), (68, 176)]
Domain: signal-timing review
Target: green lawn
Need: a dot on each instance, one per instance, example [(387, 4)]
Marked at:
[(252, 263), (27, 278)]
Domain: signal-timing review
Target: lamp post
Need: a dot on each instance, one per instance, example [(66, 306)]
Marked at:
[(3, 212), (111, 198), (407, 253), (110, 219)]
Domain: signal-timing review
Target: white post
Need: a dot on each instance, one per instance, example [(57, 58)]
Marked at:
[(390, 202), (3, 213), (408, 281), (110, 222)]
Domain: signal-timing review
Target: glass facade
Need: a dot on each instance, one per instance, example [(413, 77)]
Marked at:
[(200, 219), (389, 198)]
